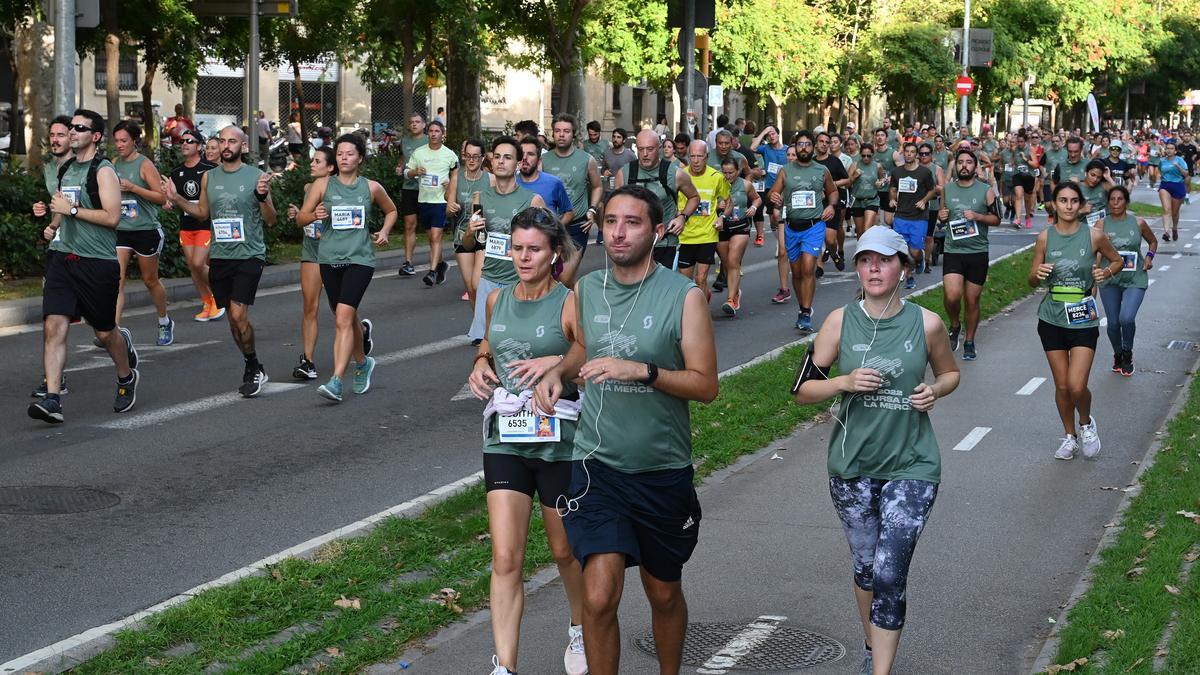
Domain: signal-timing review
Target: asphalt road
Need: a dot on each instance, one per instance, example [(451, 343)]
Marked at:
[(209, 482)]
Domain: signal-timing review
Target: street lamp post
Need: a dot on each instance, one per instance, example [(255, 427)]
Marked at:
[(966, 61)]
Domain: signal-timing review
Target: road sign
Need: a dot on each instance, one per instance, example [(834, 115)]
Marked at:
[(237, 8), (964, 85), (699, 84), (87, 13), (981, 46), (716, 96)]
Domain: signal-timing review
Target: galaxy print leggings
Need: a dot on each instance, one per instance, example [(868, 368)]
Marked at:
[(883, 520)]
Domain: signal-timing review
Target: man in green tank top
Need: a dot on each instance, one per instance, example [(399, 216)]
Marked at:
[(968, 208), (649, 172), (236, 197), (644, 348), (410, 190), (60, 151), (885, 154), (82, 275), (579, 170)]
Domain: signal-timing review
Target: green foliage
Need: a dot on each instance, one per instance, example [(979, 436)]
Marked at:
[(632, 41), (912, 63)]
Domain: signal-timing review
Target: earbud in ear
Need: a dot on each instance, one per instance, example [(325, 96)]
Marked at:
[(902, 275), (655, 239), (554, 259)]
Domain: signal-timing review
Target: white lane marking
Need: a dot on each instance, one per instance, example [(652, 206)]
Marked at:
[(1031, 386), (972, 439), (463, 394), (1197, 236), (1187, 245), (31, 659), (1177, 256), (1103, 321), (100, 358), (744, 643), (191, 407), (1164, 268), (1152, 281), (422, 350)]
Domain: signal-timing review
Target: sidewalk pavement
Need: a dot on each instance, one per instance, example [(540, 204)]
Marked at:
[(1008, 539)]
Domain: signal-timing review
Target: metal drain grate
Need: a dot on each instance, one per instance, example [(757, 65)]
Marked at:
[(33, 500), (1183, 345), (785, 648)]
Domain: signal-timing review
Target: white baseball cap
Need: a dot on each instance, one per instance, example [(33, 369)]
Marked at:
[(882, 240)]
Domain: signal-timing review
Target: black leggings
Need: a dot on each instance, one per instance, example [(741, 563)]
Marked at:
[(882, 520)]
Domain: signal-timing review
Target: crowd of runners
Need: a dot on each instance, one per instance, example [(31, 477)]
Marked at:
[(587, 378)]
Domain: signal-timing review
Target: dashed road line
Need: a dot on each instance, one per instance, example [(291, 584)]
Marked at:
[(1031, 386), (739, 646), (972, 439)]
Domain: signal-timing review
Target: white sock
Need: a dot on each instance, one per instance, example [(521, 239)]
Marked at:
[(164, 320)]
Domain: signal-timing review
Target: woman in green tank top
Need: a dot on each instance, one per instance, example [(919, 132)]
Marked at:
[(1064, 259), (473, 178), (1095, 187), (343, 202), (1123, 294), (868, 178), (530, 327), (323, 165), (138, 231), (734, 236), (884, 463)]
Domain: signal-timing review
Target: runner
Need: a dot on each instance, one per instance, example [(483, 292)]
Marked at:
[(435, 168), (1074, 167), (774, 157), (531, 326), (1068, 323), (912, 187), (835, 236), (1005, 157), (195, 235), (344, 200), (548, 187), (723, 150), (593, 145), (237, 196), (883, 474), (175, 127), (492, 221), (743, 202), (579, 171), (757, 177), (1189, 150), (60, 151), (941, 156), (698, 240), (668, 149), (1055, 155), (633, 498), (1123, 294), (474, 178), (885, 155), (1024, 184), (411, 188), (806, 192), (82, 277), (969, 210), (324, 165), (616, 156), (925, 156), (139, 231), (667, 181), (212, 151), (1171, 190), (1116, 167), (869, 177), (1095, 187), (1156, 152)]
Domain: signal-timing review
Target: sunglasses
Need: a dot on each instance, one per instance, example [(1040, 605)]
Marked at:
[(81, 128), (472, 156), (191, 141), (924, 154)]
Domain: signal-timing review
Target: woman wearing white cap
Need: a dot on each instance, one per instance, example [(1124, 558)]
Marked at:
[(884, 466)]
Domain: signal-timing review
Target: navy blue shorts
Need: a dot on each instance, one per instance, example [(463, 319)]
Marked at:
[(431, 216), (652, 517), (1177, 190)]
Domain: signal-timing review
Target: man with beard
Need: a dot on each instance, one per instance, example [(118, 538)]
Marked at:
[(835, 236), (549, 187), (912, 187), (968, 208), (579, 171)]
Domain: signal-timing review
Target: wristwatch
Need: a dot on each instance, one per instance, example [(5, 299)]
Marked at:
[(74, 211), (651, 374)]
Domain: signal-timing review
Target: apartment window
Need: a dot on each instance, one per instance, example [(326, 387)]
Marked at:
[(616, 99), (127, 72)]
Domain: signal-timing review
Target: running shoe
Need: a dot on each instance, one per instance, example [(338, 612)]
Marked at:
[(498, 669), (215, 312), (575, 660), (429, 278), (1118, 360), (718, 284), (48, 409), (804, 322), (406, 270), (732, 305), (368, 343), (305, 370), (97, 342), (332, 389), (166, 334), (130, 350), (953, 334), (825, 255), (476, 341), (839, 260), (1029, 222), (1067, 449), (40, 390), (252, 382), (758, 240), (911, 283), (362, 375), (440, 277), (126, 393), (782, 296), (1175, 234), (203, 314), (969, 351), (868, 662), (820, 271), (466, 297), (1166, 236), (1126, 367), (1089, 438)]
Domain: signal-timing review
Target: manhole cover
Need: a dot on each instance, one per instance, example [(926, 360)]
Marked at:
[(31, 500), (739, 646), (1185, 345)]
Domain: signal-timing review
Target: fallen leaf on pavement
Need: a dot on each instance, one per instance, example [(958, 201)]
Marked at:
[(333, 651), (347, 603), (1151, 533), (1133, 665), (1067, 667), (1191, 557), (1050, 619), (277, 575), (1113, 634), (449, 598), (1109, 487), (1110, 524), (1135, 572), (1171, 589)]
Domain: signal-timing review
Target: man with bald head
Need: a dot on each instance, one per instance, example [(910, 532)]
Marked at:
[(667, 183), (698, 240)]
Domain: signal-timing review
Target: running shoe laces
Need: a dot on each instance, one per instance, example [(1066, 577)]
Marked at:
[(332, 389), (1067, 449), (498, 669), (1090, 438), (362, 375), (575, 659)]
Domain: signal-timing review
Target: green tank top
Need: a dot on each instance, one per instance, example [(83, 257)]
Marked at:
[(1071, 172), (346, 238), (741, 200), (934, 203), (641, 428), (136, 213), (408, 145), (528, 329), (572, 170), (884, 438), (237, 223), (804, 191), (499, 210), (887, 161), (865, 189), (1071, 281), (50, 174), (1126, 237), (968, 236), (466, 188), (634, 174), (1008, 164), (1053, 159), (1097, 196), (80, 237), (941, 158)]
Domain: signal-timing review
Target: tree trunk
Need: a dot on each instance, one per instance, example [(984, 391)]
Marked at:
[(34, 59), (189, 99), (462, 87), (299, 96), (149, 124), (112, 62)]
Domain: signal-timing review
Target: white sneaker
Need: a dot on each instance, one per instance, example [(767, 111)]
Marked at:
[(498, 669), (1090, 439), (575, 661), (1067, 449)]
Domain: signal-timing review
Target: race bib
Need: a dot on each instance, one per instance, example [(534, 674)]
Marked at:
[(129, 209), (72, 195), (705, 208), (497, 245), (1009, 168), (907, 185), (1128, 261), (1095, 217), (773, 168), (314, 229), (347, 218), (429, 180), (804, 199), (759, 186), (528, 427), (228, 230), (963, 229), (1081, 312)]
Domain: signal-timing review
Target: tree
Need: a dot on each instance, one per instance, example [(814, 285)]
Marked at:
[(396, 47), (913, 64), (306, 38), (552, 31), (632, 42), (164, 31)]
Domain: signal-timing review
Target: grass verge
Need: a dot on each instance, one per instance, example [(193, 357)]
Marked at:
[(1144, 210), (301, 614), (1136, 592)]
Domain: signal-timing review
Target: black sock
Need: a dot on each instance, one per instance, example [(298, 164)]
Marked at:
[(807, 311), (251, 360), (127, 379), (51, 397)]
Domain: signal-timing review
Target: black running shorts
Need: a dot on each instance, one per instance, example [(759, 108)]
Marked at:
[(512, 472), (972, 266), (235, 280), (145, 243), (1056, 338), (77, 287), (345, 283)]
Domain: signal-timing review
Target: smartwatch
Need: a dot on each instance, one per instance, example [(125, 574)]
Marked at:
[(651, 374), (74, 211)]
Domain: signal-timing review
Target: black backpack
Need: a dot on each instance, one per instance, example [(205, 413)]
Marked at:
[(663, 168), (91, 184)]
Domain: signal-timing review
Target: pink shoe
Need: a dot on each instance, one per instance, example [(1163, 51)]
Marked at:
[(466, 296)]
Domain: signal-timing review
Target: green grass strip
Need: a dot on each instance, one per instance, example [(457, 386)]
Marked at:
[(1144, 210), (1128, 597), (288, 617)]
